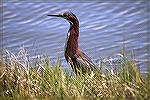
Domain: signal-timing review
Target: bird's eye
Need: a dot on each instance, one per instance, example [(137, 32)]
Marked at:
[(65, 14)]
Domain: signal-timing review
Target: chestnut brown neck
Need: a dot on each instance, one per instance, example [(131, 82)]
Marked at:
[(72, 38)]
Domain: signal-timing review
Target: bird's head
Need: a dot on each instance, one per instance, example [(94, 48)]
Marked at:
[(68, 16)]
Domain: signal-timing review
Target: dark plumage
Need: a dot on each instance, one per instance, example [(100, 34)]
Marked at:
[(74, 56)]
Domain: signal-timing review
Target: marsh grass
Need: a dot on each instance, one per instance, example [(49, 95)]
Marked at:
[(19, 79)]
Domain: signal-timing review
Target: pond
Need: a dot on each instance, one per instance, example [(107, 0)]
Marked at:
[(105, 28)]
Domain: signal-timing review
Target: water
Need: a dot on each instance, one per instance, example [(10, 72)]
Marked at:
[(104, 29)]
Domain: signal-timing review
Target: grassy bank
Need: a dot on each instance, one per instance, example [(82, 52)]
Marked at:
[(19, 79)]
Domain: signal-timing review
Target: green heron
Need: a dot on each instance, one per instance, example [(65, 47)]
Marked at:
[(78, 60)]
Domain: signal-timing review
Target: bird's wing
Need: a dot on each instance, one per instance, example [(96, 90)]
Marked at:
[(84, 61)]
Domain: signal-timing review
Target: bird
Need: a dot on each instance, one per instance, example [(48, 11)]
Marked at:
[(79, 61)]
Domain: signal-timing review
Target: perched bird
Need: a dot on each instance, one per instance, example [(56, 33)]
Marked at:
[(78, 60)]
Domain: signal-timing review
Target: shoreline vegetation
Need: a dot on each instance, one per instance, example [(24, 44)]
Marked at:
[(19, 79)]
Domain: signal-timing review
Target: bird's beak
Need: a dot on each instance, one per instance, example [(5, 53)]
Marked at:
[(56, 15)]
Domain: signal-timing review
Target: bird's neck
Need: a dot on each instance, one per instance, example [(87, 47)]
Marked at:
[(72, 39)]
